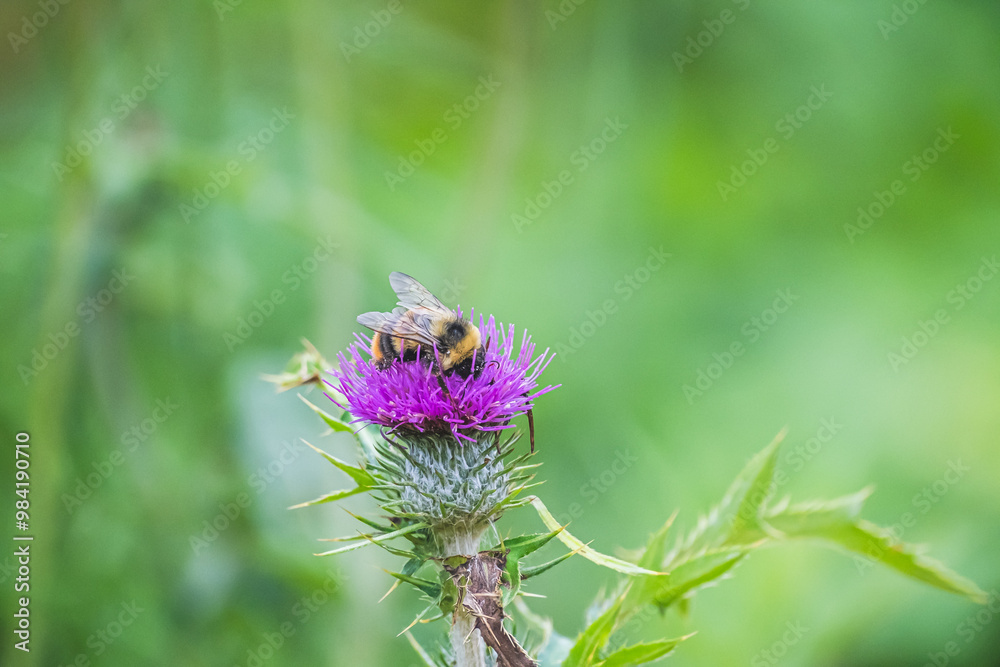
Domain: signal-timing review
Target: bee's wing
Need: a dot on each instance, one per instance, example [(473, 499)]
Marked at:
[(405, 324), (414, 296)]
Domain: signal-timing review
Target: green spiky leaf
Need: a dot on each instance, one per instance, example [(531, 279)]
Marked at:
[(652, 558), (529, 571), (837, 522), (521, 546), (640, 654), (330, 497), (331, 421), (372, 539), (430, 588), (694, 573), (590, 554), (359, 475), (744, 502), (595, 637)]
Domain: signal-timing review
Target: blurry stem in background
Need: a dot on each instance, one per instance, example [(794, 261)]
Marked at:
[(496, 167), (48, 411)]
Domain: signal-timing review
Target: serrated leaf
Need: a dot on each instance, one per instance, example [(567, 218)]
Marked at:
[(595, 637), (640, 654), (370, 539), (838, 521), (652, 558), (331, 421), (747, 497), (736, 519), (590, 554), (692, 574), (359, 475), (330, 497), (874, 544), (804, 519)]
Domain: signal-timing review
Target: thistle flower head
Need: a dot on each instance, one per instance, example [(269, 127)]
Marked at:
[(408, 398)]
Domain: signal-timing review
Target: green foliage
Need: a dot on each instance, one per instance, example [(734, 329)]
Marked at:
[(640, 654), (579, 547), (745, 520), (371, 538), (331, 421), (512, 551)]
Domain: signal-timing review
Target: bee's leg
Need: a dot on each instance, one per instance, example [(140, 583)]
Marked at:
[(442, 384), (531, 430), (444, 388)]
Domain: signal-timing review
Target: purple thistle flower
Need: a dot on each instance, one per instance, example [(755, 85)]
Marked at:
[(407, 396)]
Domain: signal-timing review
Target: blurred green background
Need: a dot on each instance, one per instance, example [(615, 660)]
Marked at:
[(254, 170)]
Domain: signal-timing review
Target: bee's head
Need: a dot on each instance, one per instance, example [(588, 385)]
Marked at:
[(472, 364), (465, 354)]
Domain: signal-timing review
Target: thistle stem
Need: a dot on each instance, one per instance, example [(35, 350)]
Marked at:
[(466, 641)]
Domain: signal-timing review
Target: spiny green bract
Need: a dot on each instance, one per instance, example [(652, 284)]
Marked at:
[(433, 479)]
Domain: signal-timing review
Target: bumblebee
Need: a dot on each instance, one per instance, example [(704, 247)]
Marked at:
[(423, 328)]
